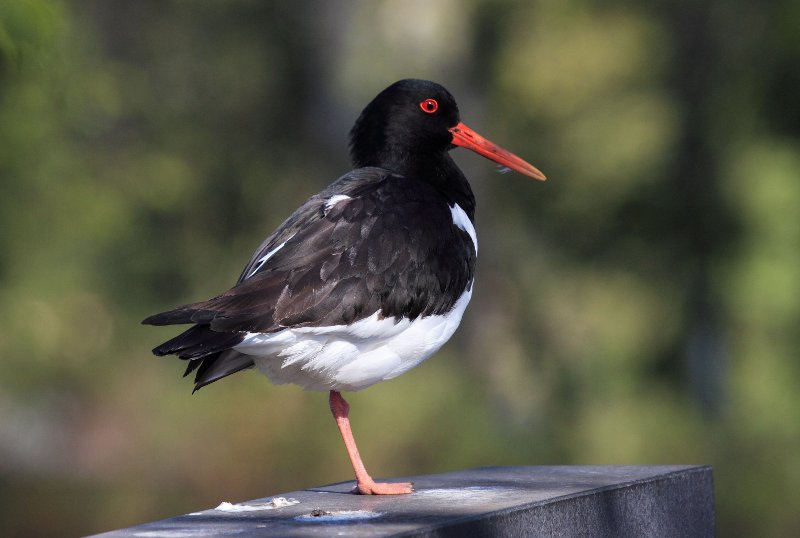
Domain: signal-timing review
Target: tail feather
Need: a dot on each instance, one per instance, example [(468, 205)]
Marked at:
[(198, 341), (215, 367), (178, 316), (181, 315), (207, 351)]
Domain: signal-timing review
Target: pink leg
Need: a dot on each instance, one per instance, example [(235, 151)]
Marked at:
[(364, 483)]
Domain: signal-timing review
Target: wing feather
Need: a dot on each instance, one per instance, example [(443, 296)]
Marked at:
[(337, 263)]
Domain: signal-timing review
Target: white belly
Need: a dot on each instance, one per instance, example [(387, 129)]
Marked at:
[(351, 357)]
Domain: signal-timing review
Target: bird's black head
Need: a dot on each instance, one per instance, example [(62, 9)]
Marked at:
[(407, 122), (410, 126)]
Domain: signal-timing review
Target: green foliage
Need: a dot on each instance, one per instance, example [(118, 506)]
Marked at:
[(639, 307)]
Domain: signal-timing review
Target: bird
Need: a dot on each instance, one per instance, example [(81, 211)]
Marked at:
[(367, 278)]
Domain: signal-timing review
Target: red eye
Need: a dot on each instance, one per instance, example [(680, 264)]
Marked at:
[(429, 106)]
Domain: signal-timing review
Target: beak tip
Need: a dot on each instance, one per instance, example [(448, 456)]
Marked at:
[(537, 174), (467, 138)]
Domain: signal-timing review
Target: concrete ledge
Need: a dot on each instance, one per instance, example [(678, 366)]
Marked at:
[(619, 501)]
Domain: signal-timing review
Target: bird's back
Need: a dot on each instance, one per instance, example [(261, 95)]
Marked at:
[(372, 245)]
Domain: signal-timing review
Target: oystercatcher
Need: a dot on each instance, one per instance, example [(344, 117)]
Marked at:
[(366, 279)]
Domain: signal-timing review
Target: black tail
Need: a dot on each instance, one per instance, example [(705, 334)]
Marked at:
[(208, 351), (180, 316), (197, 342), (214, 367)]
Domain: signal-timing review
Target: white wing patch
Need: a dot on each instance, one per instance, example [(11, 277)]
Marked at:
[(333, 200), (461, 220), (260, 263)]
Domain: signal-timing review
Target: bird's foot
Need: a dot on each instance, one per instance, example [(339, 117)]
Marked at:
[(383, 488)]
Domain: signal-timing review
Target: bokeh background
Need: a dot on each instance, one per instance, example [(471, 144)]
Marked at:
[(642, 306)]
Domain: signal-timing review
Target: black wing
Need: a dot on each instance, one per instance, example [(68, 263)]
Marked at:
[(337, 263)]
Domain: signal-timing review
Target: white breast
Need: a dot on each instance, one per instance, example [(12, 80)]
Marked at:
[(351, 357)]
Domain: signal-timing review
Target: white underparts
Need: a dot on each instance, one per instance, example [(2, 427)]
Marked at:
[(461, 220), (351, 357)]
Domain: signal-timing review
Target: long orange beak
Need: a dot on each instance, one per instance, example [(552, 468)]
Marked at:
[(467, 138)]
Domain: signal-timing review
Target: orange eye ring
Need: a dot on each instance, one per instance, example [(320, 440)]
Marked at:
[(429, 106)]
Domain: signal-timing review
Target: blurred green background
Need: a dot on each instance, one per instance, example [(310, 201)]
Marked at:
[(642, 306)]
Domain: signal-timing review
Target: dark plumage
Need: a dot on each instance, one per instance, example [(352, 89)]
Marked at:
[(326, 299)]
